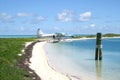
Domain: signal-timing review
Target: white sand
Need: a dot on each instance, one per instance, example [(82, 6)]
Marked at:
[(74, 39), (40, 65), (84, 38)]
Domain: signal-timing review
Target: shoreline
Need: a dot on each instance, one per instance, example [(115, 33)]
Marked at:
[(84, 38), (34, 54), (25, 60), (39, 64)]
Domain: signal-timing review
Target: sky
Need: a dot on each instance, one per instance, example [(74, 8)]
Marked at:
[(24, 17)]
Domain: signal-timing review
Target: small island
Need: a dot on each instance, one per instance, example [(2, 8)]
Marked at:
[(108, 35)]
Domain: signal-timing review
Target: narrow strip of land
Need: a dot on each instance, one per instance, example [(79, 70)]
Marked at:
[(40, 64)]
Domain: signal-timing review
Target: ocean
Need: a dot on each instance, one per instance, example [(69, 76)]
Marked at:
[(18, 36), (77, 59)]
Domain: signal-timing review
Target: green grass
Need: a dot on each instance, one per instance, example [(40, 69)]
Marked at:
[(9, 48), (111, 35)]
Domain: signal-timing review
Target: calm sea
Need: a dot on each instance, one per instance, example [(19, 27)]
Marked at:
[(76, 59), (18, 36)]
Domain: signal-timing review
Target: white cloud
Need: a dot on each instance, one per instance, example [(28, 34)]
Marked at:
[(22, 28), (38, 19), (24, 14), (56, 28), (92, 25), (4, 17), (65, 16), (85, 16), (34, 18)]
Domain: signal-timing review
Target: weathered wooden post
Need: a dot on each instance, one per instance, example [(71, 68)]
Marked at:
[(98, 52)]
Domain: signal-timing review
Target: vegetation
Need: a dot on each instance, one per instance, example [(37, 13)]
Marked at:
[(9, 50), (111, 35), (92, 36), (77, 36)]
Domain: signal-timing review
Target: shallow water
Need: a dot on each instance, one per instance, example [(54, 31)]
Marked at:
[(76, 59)]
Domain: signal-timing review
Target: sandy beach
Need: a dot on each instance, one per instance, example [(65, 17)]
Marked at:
[(40, 64)]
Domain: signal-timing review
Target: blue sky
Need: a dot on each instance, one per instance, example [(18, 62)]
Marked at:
[(24, 17)]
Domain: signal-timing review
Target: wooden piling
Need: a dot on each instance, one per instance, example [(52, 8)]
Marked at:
[(98, 51)]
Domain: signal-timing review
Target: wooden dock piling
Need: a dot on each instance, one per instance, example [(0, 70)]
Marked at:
[(98, 51)]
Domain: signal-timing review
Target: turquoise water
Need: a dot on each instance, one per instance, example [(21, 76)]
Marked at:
[(18, 36), (76, 59)]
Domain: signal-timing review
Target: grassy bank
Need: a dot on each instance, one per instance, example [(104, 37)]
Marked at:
[(9, 50)]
